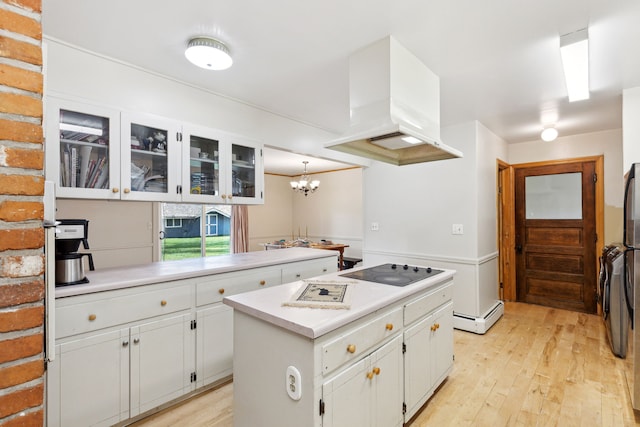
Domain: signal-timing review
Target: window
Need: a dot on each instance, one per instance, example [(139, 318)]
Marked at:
[(173, 222), (185, 224)]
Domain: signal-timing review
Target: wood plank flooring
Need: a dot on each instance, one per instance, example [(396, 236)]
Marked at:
[(537, 366)]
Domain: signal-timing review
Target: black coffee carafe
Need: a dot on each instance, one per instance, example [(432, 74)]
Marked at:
[(69, 262)]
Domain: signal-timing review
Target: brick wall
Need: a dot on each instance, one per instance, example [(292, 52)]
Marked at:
[(21, 213)]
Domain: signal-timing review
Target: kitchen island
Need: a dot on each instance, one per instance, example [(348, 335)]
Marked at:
[(147, 336), (373, 364)]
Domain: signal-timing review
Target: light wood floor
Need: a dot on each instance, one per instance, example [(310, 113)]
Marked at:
[(536, 367)]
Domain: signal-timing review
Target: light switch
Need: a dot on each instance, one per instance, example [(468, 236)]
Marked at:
[(375, 226)]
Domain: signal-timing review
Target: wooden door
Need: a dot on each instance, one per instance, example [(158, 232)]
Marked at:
[(556, 235)]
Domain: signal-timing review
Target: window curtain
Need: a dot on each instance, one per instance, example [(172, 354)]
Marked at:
[(240, 228)]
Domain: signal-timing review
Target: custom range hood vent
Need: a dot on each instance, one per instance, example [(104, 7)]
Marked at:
[(395, 108)]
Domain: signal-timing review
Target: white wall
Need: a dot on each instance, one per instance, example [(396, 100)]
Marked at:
[(631, 126), (416, 206), (607, 143)]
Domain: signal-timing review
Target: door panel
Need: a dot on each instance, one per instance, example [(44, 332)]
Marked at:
[(555, 236)]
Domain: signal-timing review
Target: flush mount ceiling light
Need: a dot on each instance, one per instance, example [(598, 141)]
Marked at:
[(574, 50), (304, 185), (549, 134), (208, 53)]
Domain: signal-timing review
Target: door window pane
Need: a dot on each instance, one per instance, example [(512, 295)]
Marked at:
[(557, 196)]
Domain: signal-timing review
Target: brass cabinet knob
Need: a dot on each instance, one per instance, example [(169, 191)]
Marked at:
[(376, 370), (389, 326), (125, 343), (433, 328), (351, 348), (92, 317), (221, 291), (163, 303), (127, 190), (369, 375), (224, 196), (263, 282), (115, 190), (230, 196), (437, 325), (136, 340)]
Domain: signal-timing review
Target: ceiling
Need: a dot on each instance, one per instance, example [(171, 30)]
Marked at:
[(498, 61)]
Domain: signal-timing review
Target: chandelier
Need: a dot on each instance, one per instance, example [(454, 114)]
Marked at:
[(304, 185)]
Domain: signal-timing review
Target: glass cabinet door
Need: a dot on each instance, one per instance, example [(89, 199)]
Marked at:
[(243, 171), (201, 152), (149, 172), (82, 152)]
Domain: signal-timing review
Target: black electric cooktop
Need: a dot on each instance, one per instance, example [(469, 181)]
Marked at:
[(393, 274)]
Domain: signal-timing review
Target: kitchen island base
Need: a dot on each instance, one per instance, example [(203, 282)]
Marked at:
[(375, 370)]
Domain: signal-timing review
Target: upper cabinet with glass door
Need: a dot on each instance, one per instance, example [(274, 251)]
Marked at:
[(82, 149), (150, 158), (219, 167)]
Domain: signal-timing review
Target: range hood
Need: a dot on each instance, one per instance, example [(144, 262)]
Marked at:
[(395, 107)]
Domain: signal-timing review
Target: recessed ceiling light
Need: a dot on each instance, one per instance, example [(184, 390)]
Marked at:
[(208, 53), (574, 50)]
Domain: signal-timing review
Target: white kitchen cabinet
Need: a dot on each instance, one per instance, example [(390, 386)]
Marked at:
[(428, 357), (306, 269), (88, 381), (219, 167), (150, 158), (162, 362), (368, 393), (214, 350), (101, 153), (82, 149)]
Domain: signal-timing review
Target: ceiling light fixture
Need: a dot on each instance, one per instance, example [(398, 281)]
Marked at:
[(304, 185), (208, 53), (574, 50), (549, 134)]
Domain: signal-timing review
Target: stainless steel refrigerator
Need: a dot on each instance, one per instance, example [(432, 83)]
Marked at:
[(631, 236)]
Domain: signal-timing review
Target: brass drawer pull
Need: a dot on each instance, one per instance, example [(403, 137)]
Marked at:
[(376, 370), (369, 375), (163, 303), (389, 326), (263, 282), (92, 317), (351, 348), (221, 291)]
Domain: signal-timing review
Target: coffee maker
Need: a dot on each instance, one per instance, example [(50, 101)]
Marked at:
[(69, 262)]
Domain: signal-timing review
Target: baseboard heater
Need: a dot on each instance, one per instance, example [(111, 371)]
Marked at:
[(479, 325)]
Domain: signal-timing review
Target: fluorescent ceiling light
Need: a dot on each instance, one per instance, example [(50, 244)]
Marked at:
[(208, 53), (574, 50), (549, 134)]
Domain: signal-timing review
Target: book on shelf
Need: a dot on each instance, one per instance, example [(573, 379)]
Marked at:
[(74, 167)]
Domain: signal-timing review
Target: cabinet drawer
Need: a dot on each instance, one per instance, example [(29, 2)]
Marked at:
[(423, 305), (355, 343), (211, 291), (115, 310), (306, 269)]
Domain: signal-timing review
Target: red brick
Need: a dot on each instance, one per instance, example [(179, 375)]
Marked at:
[(29, 419), (21, 266), (20, 131), (20, 158), (20, 78), (32, 5), (20, 24), (22, 185), (20, 400), (20, 320), (19, 348), (13, 211), (21, 238), (21, 51), (20, 374), (21, 105), (22, 293)]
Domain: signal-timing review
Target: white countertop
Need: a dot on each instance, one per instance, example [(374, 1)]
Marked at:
[(366, 297), (164, 271)]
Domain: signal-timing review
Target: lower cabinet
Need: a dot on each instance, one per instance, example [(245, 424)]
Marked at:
[(162, 360), (124, 352), (368, 393), (428, 357)]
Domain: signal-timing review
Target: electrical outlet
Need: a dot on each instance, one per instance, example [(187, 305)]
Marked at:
[(294, 383), (457, 229), (375, 226)]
